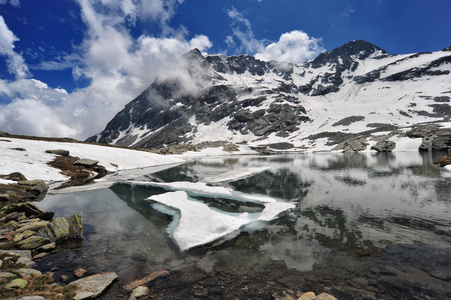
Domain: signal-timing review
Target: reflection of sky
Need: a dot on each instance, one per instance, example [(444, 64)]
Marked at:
[(363, 202), (109, 222)]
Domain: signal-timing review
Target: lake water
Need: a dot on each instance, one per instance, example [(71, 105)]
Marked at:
[(366, 226)]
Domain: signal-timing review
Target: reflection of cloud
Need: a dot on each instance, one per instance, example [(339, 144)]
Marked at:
[(301, 255)]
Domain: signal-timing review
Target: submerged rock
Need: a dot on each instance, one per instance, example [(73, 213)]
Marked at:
[(93, 286), (139, 292)]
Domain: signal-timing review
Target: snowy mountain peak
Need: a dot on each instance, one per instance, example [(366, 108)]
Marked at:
[(354, 88)]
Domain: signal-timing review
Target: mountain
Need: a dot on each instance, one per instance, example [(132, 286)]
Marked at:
[(356, 90)]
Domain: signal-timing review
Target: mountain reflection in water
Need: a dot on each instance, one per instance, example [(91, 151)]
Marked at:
[(352, 211)]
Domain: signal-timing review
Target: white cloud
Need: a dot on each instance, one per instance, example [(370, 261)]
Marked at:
[(295, 46), (118, 67), (242, 31), (15, 62), (33, 117)]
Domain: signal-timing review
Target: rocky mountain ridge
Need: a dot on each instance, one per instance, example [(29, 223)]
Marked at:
[(355, 89)]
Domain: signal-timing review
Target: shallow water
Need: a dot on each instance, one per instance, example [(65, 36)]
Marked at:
[(366, 226)]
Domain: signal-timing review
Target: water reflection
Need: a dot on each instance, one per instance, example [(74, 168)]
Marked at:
[(349, 207)]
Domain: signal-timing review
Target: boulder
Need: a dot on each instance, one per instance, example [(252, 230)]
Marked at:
[(30, 209), (92, 286), (36, 187), (56, 231), (33, 226), (86, 162), (16, 176), (76, 227), (17, 284), (384, 146), (352, 145), (58, 152), (33, 242), (24, 272), (444, 161), (4, 275)]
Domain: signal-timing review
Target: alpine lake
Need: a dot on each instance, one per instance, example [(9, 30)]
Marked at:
[(365, 226)]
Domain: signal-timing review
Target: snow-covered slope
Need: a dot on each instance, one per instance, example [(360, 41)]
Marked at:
[(356, 88)]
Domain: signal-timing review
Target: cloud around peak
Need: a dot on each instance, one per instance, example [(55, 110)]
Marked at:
[(294, 47)]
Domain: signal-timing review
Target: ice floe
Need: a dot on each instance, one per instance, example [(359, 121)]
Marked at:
[(200, 225)]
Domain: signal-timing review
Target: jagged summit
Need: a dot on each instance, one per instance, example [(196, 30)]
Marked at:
[(347, 53), (356, 87)]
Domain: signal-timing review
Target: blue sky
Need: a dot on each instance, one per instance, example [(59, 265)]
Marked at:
[(67, 66)]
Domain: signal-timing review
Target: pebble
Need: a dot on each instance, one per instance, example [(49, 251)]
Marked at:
[(139, 292)]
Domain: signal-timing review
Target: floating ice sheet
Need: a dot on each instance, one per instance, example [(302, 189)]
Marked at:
[(200, 225)]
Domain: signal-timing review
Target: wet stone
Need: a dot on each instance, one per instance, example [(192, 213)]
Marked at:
[(441, 274)]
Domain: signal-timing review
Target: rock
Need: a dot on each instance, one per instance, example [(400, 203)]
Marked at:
[(4, 198), (325, 296), (139, 292), (440, 274), (76, 227), (307, 296), (48, 215), (40, 255), (36, 187), (58, 152), (35, 226), (132, 285), (29, 272), (94, 285), (30, 209), (79, 272), (384, 146), (47, 247), (55, 231), (24, 235), (15, 216), (352, 145), (444, 161), (32, 298), (1, 263), (19, 149), (7, 275), (86, 162), (33, 242), (16, 176), (17, 284)]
